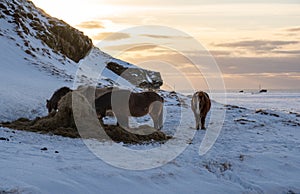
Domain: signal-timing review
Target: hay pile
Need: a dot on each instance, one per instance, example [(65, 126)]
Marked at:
[(76, 118)]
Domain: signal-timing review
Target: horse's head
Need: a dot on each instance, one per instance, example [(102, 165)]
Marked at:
[(48, 105)]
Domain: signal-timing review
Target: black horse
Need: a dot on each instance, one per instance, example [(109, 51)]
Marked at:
[(58, 94)]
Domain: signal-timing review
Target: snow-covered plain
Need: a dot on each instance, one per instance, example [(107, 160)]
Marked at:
[(279, 100), (255, 153)]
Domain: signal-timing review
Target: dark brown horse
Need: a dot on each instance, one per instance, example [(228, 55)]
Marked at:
[(58, 94), (200, 105), (92, 93), (124, 103)]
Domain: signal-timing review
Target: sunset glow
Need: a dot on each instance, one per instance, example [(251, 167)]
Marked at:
[(253, 42)]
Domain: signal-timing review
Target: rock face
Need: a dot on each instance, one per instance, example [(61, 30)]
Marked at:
[(67, 40), (137, 76), (57, 34)]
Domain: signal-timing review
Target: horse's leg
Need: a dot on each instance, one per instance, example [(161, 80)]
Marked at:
[(100, 118), (122, 120), (154, 119), (197, 119), (156, 113), (157, 119), (160, 119), (203, 121)]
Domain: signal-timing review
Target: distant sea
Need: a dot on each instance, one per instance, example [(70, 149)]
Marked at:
[(278, 100)]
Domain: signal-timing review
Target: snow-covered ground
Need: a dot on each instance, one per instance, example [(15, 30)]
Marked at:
[(254, 153), (279, 100)]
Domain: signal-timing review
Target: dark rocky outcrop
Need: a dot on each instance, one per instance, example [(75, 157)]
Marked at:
[(57, 34), (67, 40), (137, 76)]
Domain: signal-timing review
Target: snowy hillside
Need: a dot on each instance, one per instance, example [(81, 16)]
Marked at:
[(40, 54)]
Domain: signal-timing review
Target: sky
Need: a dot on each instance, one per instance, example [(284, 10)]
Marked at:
[(251, 42)]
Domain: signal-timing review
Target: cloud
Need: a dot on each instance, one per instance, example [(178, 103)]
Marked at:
[(90, 25), (291, 52), (163, 36), (293, 29), (156, 36), (174, 58), (228, 64), (111, 36), (220, 52), (257, 45), (131, 47), (238, 72), (258, 64)]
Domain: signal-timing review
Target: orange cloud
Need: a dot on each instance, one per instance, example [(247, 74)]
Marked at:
[(90, 25), (131, 47), (164, 36), (293, 29), (257, 45), (111, 36)]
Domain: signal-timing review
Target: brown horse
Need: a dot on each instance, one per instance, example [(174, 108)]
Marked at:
[(124, 103), (200, 105), (58, 94), (92, 92)]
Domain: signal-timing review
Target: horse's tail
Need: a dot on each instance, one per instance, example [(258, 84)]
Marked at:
[(196, 103)]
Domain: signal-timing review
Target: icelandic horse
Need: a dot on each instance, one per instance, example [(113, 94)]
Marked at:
[(200, 105), (124, 103)]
